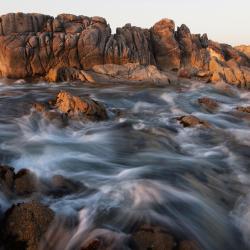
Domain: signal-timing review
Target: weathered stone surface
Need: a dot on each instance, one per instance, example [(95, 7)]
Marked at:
[(193, 121), (67, 107), (25, 224), (63, 74), (244, 49), (166, 48), (64, 47), (130, 44), (24, 23), (75, 107), (194, 53), (132, 72)]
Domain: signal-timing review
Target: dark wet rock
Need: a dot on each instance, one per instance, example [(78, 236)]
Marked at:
[(40, 107), (76, 107), (25, 224), (208, 103), (154, 238), (61, 120), (23, 183), (244, 109), (193, 121), (26, 183), (60, 186), (157, 238), (6, 179), (104, 239), (188, 245)]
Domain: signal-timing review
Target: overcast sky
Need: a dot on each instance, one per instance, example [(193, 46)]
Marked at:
[(223, 20)]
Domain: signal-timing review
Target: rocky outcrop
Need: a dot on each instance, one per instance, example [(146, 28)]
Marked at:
[(22, 183), (64, 47), (209, 104), (166, 48), (157, 238), (244, 49), (110, 73), (67, 107), (244, 109), (75, 107), (193, 121), (25, 224), (132, 72), (193, 48), (25, 184)]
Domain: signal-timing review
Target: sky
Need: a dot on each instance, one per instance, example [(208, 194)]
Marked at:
[(225, 21)]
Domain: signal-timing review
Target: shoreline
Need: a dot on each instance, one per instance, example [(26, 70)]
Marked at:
[(70, 47)]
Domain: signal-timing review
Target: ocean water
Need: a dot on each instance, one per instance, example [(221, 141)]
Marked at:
[(141, 164)]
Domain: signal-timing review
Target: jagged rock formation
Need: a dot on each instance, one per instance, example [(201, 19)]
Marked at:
[(69, 107), (36, 45), (244, 49)]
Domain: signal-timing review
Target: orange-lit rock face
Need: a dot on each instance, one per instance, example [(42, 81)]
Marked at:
[(166, 48), (244, 49), (67, 103), (75, 107), (36, 45)]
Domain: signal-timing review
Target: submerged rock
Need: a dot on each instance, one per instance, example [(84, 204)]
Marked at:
[(25, 224), (157, 238), (26, 183), (193, 121), (61, 186), (208, 103), (7, 176), (154, 238), (104, 239), (244, 109)]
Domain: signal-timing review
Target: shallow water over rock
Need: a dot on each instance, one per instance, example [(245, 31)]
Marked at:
[(141, 164)]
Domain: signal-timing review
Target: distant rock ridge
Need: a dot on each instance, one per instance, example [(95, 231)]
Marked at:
[(31, 45)]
